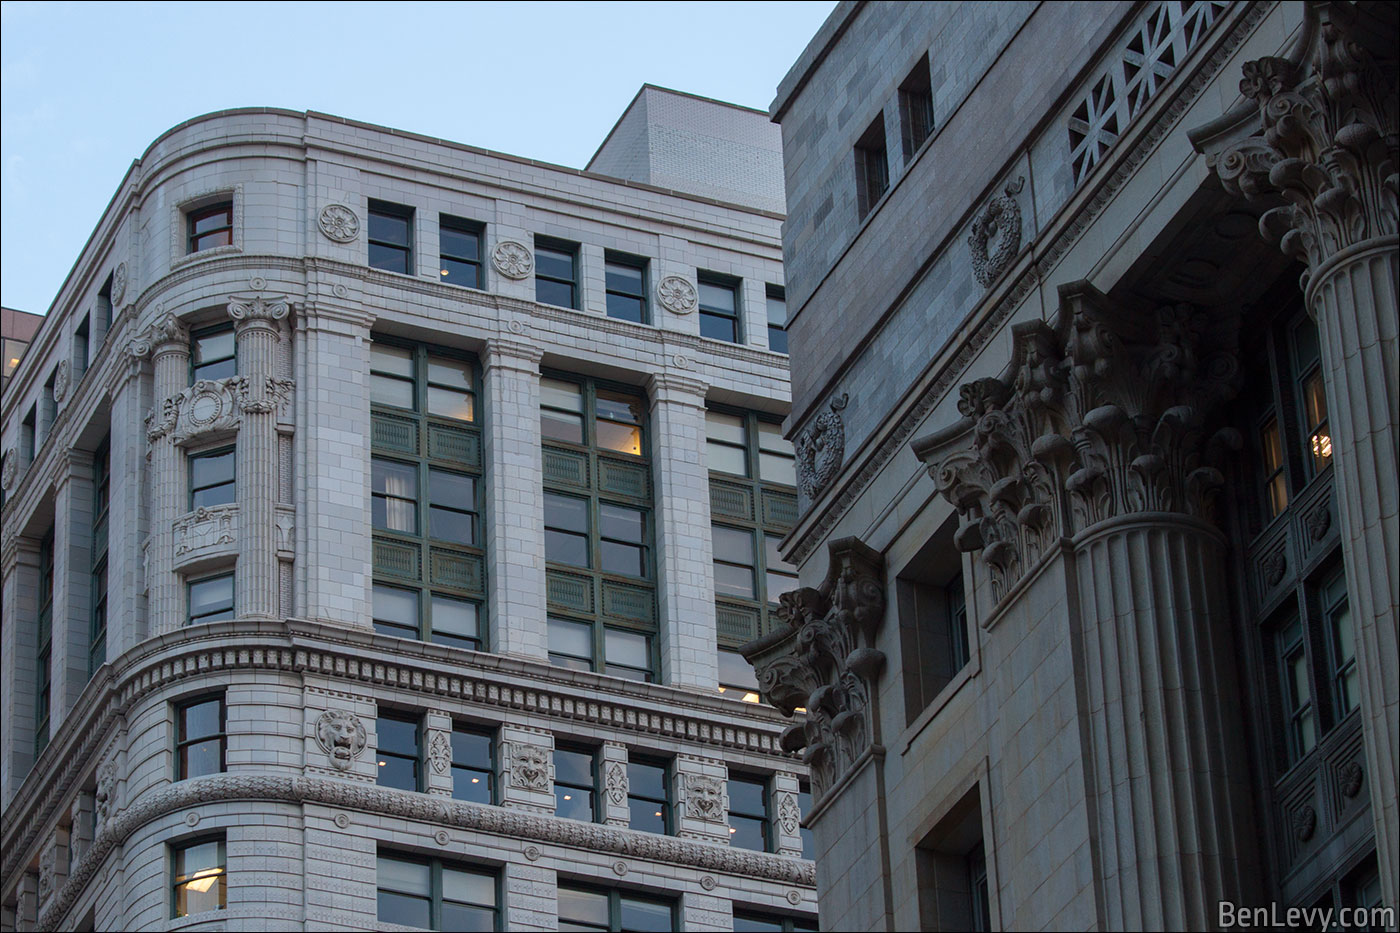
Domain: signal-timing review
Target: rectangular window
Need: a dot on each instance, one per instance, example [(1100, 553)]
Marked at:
[(916, 109), (737, 676), (473, 764), (29, 435), (80, 347), (101, 499), (391, 237), (748, 813), (210, 599), (459, 250), (556, 273), (1275, 479), (575, 784), (105, 311), (209, 227), (1307, 367), (43, 680), (951, 871), (1346, 677), (212, 478), (749, 922), (777, 319), (872, 166), (626, 287), (933, 627), (719, 308), (582, 908), (398, 754), (199, 879), (213, 354), (434, 894), (804, 807), (1296, 685), (649, 795), (200, 737)]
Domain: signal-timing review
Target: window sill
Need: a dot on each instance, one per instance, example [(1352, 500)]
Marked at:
[(941, 701)]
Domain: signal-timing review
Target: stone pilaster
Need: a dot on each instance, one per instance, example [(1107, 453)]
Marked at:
[(612, 775), (437, 753), (169, 343), (683, 543), (1103, 432), (18, 648), (702, 800), (705, 912), (72, 571), (258, 330), (128, 498), (80, 828), (531, 897), (514, 506), (526, 763), (1328, 143), (787, 814), (333, 369), (53, 866), (27, 903)]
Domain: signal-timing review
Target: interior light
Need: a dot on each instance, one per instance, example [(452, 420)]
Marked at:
[(204, 880), (658, 812), (751, 698), (445, 272), (733, 831), (1322, 446), (383, 763), (568, 797), (476, 780)]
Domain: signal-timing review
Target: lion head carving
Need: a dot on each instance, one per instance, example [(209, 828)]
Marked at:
[(341, 736)]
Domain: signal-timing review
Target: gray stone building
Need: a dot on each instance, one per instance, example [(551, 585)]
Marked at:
[(1098, 530), (359, 567)]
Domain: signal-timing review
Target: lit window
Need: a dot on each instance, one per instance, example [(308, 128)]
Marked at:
[(397, 755), (748, 813), (1307, 364), (200, 881), (473, 764), (210, 227), (459, 250), (575, 784)]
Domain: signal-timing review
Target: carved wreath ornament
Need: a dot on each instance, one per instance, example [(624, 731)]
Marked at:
[(677, 295), (999, 223), (820, 449), (341, 736), (61, 380), (10, 470), (339, 223), (512, 259)]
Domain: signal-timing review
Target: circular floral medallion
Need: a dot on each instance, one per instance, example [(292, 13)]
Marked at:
[(513, 260), (677, 295), (339, 223)]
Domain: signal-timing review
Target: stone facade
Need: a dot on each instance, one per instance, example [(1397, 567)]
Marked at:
[(1097, 624), (104, 541)]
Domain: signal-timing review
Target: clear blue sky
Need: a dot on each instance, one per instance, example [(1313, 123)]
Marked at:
[(87, 86)]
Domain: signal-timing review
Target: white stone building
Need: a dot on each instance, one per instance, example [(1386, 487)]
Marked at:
[(357, 542), (1101, 523)]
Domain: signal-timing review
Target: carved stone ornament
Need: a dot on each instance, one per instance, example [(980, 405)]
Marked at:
[(1329, 144), (338, 223), (1350, 777), (105, 797), (210, 406), (824, 659), (47, 862), (789, 814), (166, 330), (257, 310), (529, 766), (821, 448), (512, 259), (1319, 520), (616, 783), (10, 470), (118, 284), (204, 528), (1304, 822), (1274, 566), (261, 396), (677, 295), (61, 378), (708, 882), (999, 222), (341, 735), (704, 798), (1108, 411), (439, 753)]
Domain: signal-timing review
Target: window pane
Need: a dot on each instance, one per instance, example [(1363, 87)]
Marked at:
[(583, 906), (725, 459), (777, 310), (454, 272), (732, 545), (471, 749), (774, 468), (210, 469), (454, 620), (646, 780), (573, 803), (626, 308), (624, 438), (734, 671), (211, 219), (620, 523), (388, 258), (222, 494), (402, 909), (396, 361), (447, 525), (454, 490), (560, 426), (564, 547), (395, 479), (573, 767), (555, 263), (719, 328), (468, 887), (746, 833), (777, 339), (746, 796), (629, 648), (198, 859), (623, 278), (575, 638), (456, 374), (770, 438), (462, 244), (199, 720), (554, 293), (211, 594), (451, 403), (565, 512), (200, 758), (467, 919), (647, 816), (473, 785), (731, 580), (384, 390), (395, 605), (398, 772), (397, 735), (750, 924), (388, 228), (215, 346), (557, 393), (723, 427), (646, 916), (627, 559), (717, 297), (617, 406)]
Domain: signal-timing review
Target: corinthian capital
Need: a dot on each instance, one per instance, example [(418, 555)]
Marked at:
[(1326, 142), (257, 311)]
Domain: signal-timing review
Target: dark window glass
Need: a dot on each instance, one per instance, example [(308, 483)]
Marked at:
[(1296, 688), (719, 310), (101, 499), (394, 495), (391, 376), (1341, 642), (210, 227), (473, 757), (561, 411), (804, 806), (626, 289), (627, 654), (574, 784), (570, 644), (645, 914), (391, 237), (44, 657), (452, 507), (748, 813), (80, 348), (435, 895), (622, 536), (566, 530), (734, 561), (213, 354), (583, 908), (777, 320), (957, 623), (459, 248), (977, 877), (200, 881), (556, 276), (395, 611), (916, 108), (200, 738), (212, 478), (398, 755), (1307, 366), (1275, 479), (211, 599), (872, 166), (454, 622), (648, 795)]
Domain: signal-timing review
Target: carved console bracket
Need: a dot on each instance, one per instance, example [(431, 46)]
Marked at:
[(1107, 412), (824, 660)]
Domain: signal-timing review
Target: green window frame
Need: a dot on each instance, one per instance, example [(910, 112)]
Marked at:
[(719, 307), (201, 736), (584, 907), (649, 795), (436, 894), (474, 751), (97, 594), (213, 353), (753, 504), (427, 495), (576, 795), (209, 599), (390, 237), (777, 318), (399, 751), (213, 478), (600, 553), (43, 680), (556, 272), (459, 251), (753, 921), (625, 282), (198, 876), (750, 818)]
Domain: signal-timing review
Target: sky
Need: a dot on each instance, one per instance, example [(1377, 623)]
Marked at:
[(86, 87)]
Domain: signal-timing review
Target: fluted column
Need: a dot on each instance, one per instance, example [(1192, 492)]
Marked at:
[(514, 503), (127, 512), (686, 586), (19, 575), (72, 573), (169, 342), (1101, 435), (260, 392), (1328, 143)]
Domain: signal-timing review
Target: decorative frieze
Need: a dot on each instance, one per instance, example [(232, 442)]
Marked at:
[(824, 660)]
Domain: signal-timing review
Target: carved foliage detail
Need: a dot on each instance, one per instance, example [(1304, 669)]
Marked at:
[(1105, 413), (257, 310), (512, 260), (105, 798), (825, 661), (821, 447), (616, 783), (339, 223), (439, 752), (61, 378), (1329, 147), (10, 470), (341, 735), (789, 815), (677, 295), (1000, 221)]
